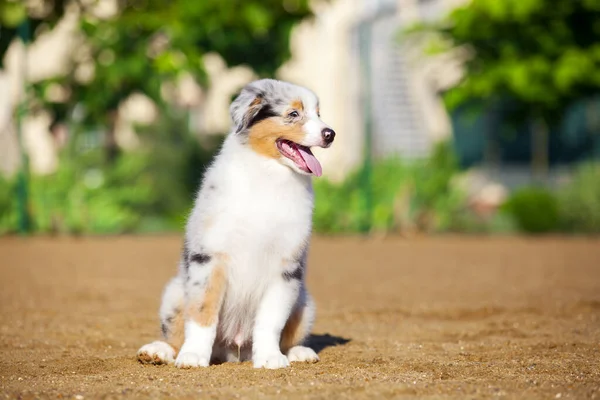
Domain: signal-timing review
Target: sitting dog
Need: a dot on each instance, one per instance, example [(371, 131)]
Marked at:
[(240, 292)]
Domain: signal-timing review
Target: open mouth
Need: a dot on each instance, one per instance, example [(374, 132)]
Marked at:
[(301, 156)]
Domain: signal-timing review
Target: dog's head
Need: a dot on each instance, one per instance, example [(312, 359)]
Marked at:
[(281, 121)]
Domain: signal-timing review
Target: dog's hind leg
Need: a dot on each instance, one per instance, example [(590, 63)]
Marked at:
[(205, 288), (171, 318), (297, 329)]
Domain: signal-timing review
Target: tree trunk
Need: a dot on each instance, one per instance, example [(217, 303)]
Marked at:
[(110, 146), (540, 150)]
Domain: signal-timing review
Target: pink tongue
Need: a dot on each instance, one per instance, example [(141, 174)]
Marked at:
[(311, 161)]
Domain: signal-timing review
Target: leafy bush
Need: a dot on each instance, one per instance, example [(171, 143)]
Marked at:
[(82, 198), (579, 201), (574, 208), (8, 214), (343, 207), (150, 189), (177, 164), (405, 196), (534, 209)]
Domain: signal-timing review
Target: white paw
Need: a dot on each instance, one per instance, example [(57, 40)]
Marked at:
[(302, 354), (190, 360), (156, 353), (271, 361)]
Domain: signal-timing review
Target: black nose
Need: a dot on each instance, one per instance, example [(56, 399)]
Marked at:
[(328, 135)]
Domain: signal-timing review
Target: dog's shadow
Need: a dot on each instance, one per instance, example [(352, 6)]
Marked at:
[(320, 342)]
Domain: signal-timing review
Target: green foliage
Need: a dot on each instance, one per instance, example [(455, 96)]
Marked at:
[(536, 210), (150, 189), (406, 196), (497, 223), (543, 57), (580, 200), (8, 206), (341, 207), (178, 162), (574, 208), (12, 13), (149, 46), (81, 198)]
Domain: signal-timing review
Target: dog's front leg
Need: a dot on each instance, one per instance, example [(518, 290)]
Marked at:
[(205, 287), (273, 312)]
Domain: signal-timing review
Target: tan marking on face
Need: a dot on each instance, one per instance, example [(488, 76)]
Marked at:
[(294, 330), (206, 311), (318, 111), (297, 105), (262, 136)]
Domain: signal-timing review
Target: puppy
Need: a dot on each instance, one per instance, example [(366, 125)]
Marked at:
[(240, 292)]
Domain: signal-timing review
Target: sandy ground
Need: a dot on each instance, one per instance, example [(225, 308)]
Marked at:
[(422, 318)]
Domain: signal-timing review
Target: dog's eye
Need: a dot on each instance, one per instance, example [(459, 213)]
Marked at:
[(293, 114)]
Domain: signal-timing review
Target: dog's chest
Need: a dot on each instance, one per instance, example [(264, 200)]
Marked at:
[(266, 218), (277, 219)]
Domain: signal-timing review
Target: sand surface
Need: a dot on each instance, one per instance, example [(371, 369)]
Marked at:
[(462, 318)]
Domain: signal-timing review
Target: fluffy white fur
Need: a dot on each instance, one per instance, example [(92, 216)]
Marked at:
[(252, 217)]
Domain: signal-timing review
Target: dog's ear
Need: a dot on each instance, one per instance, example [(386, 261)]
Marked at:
[(243, 109), (252, 111), (248, 109)]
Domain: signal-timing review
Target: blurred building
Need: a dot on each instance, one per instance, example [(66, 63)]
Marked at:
[(350, 54)]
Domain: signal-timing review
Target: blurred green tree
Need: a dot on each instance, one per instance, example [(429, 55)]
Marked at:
[(148, 45), (539, 56)]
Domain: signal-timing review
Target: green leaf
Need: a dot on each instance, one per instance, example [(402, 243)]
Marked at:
[(12, 13)]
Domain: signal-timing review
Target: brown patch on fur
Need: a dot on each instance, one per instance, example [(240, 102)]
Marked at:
[(263, 135), (176, 331), (297, 105), (205, 313), (294, 330)]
